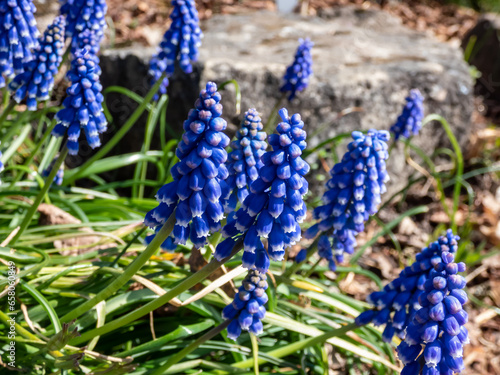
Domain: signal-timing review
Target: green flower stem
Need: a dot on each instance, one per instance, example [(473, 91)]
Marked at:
[(255, 353), (460, 163), (186, 284), (104, 150), (299, 345), (295, 266), (48, 182), (128, 245), (6, 112), (129, 272), (274, 113), (191, 347)]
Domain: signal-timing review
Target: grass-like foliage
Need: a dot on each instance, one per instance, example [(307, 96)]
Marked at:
[(216, 284)]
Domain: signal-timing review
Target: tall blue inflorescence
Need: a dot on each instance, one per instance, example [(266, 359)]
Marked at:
[(247, 309), (244, 161), (83, 104), (82, 15), (199, 188), (353, 194), (410, 120), (297, 75), (18, 36), (398, 302), (274, 208), (180, 42), (436, 333), (37, 80), (58, 179)]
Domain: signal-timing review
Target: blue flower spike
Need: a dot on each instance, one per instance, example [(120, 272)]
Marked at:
[(244, 161), (18, 36), (247, 310), (275, 206), (37, 80), (83, 103), (399, 301), (199, 189), (84, 19), (180, 43), (58, 179), (409, 122), (353, 194), (436, 333), (297, 75)]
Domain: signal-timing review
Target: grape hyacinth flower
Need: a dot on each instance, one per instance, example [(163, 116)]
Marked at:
[(436, 334), (247, 309), (18, 36), (297, 75), (398, 302), (1, 164), (58, 179), (83, 105), (410, 120), (37, 79), (180, 42), (244, 161), (301, 256), (199, 188), (354, 193), (82, 15), (274, 208)]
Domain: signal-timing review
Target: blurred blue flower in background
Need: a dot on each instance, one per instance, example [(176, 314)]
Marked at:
[(244, 160), (18, 36), (37, 80), (437, 327), (410, 120), (198, 190), (83, 103), (398, 302), (297, 75), (275, 206), (247, 309), (180, 43), (82, 15), (58, 179), (353, 194)]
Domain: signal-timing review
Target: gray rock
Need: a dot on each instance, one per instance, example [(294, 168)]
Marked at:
[(361, 59), (482, 42)]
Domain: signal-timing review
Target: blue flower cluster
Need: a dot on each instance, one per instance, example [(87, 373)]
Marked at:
[(274, 208), (438, 326), (398, 302), (354, 193), (297, 75), (244, 161), (199, 186), (410, 120), (83, 105), (83, 15), (18, 36), (180, 42), (37, 79), (58, 179), (247, 309)]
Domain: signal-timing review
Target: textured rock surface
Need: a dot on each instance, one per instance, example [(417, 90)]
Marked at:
[(483, 41), (361, 58)]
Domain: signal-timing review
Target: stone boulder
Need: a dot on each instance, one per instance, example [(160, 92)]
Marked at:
[(482, 44), (362, 58)]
